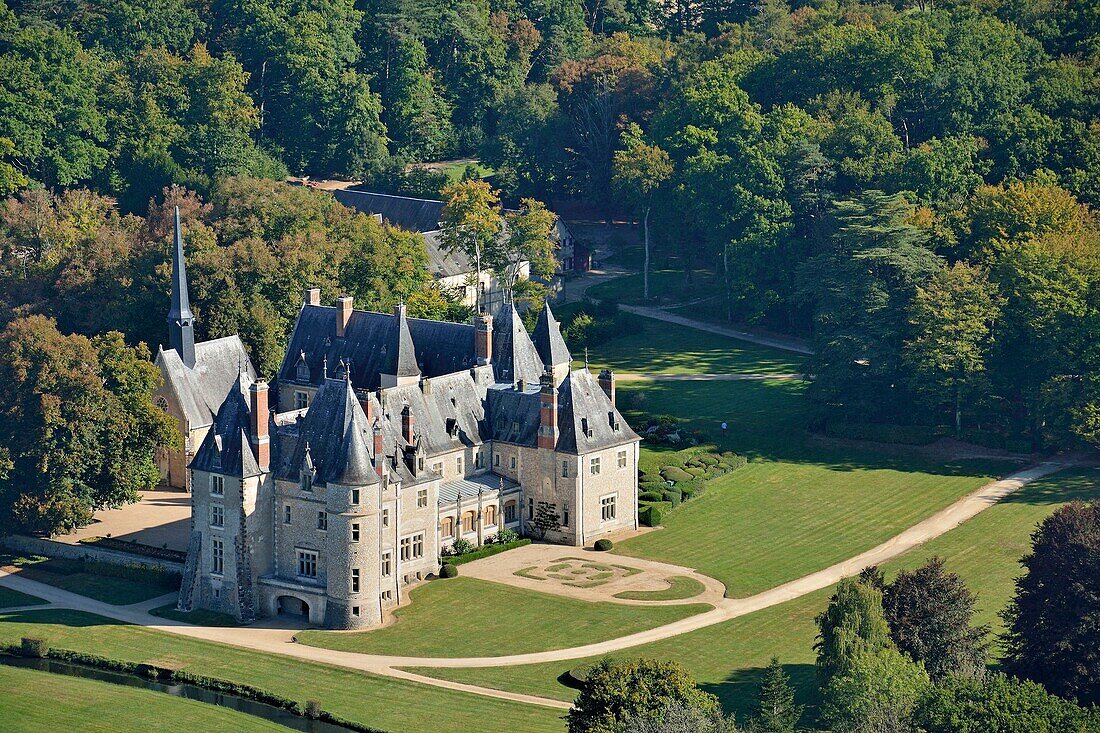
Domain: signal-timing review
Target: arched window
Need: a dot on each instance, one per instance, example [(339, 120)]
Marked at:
[(468, 522), (447, 524), (490, 515)]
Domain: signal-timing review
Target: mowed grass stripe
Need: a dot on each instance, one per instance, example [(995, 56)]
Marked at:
[(101, 707), (472, 618), (392, 705)]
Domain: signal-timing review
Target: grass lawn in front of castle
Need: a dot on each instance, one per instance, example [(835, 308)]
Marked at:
[(102, 707), (82, 579), (388, 704), (468, 617), (11, 598), (728, 658)]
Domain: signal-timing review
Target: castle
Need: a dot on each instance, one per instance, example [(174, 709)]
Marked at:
[(381, 441)]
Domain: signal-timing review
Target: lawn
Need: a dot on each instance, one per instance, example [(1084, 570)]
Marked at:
[(87, 705), (727, 658), (447, 618), (679, 588), (11, 598), (798, 506), (198, 617), (665, 286), (86, 580), (392, 705)]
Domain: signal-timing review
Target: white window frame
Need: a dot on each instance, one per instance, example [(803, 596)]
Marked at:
[(608, 501), (594, 466), (322, 521), (355, 531), (412, 547), (217, 557), (288, 514), (217, 515), (217, 485), (387, 564), (621, 456), (421, 498), (307, 559), (355, 580)]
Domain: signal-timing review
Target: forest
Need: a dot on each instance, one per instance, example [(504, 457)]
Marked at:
[(908, 186)]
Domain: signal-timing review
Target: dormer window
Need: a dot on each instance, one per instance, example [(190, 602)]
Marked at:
[(302, 368), (305, 481), (452, 427), (217, 451), (614, 423), (585, 428)]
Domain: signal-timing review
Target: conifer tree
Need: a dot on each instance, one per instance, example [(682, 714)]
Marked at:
[(776, 711)]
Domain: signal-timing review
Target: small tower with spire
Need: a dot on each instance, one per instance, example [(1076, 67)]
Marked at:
[(181, 323)]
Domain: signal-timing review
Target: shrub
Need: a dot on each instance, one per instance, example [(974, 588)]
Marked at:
[(34, 647), (603, 544), (462, 546), (486, 551), (672, 473), (651, 514), (652, 495), (313, 709), (503, 537), (448, 571), (707, 459), (674, 497), (695, 472), (687, 491), (659, 485)]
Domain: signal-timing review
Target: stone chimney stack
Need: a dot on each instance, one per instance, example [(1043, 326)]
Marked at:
[(607, 384), (261, 441), (343, 314), (483, 338), (312, 296), (379, 459), (548, 411), (407, 424)]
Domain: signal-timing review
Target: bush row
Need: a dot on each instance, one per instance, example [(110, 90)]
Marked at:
[(141, 573), (163, 674), (688, 471), (485, 551), (135, 548)]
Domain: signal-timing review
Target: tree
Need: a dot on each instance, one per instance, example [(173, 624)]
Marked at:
[(852, 623), (878, 693), (546, 519), (417, 117), (530, 237), (639, 171), (1054, 619), (618, 692), (678, 717), (471, 223), (929, 612), (78, 422), (952, 317), (775, 710)]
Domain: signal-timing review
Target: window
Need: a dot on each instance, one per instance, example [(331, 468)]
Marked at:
[(565, 469), (217, 485), (622, 459), (286, 514), (447, 526), (385, 517), (217, 557), (458, 465), (467, 522), (355, 580), (594, 466), (387, 595), (217, 515), (530, 510), (307, 563), (438, 467), (355, 610), (355, 531), (607, 508), (496, 459), (421, 498), (490, 515), (565, 514), (512, 463), (412, 547), (355, 496), (322, 521), (510, 511), (479, 459), (306, 482), (301, 400), (386, 564)]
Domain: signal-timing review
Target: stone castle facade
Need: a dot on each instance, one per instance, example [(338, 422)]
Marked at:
[(381, 441)]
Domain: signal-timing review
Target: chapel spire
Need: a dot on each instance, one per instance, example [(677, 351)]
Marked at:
[(181, 323)]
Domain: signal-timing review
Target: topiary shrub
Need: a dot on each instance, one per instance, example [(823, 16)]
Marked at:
[(695, 472), (674, 497), (687, 491), (658, 485), (651, 515), (34, 647), (707, 459), (448, 571), (652, 495), (603, 544), (672, 473)]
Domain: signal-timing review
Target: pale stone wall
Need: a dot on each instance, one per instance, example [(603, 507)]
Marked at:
[(353, 574), (301, 533), (613, 480)]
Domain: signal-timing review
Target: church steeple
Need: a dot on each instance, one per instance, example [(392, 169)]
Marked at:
[(181, 323)]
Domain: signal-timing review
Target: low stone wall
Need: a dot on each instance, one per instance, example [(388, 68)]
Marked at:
[(49, 548)]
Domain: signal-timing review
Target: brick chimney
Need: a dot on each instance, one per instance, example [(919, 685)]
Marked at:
[(483, 338), (407, 424), (261, 442), (548, 412), (607, 384), (312, 296), (379, 459), (343, 314)]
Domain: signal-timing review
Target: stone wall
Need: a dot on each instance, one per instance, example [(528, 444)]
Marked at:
[(50, 548)]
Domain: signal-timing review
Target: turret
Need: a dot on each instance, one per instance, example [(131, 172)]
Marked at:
[(181, 322)]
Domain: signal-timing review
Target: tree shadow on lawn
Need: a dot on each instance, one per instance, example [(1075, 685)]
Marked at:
[(57, 617), (1077, 484), (768, 420), (738, 692)]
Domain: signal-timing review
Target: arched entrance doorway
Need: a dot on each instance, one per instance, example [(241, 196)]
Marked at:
[(291, 606)]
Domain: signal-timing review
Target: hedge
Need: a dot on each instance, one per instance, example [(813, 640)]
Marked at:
[(651, 515), (151, 574), (673, 497), (135, 548), (659, 485), (486, 551), (653, 495), (674, 473)]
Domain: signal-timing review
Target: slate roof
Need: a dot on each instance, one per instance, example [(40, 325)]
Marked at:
[(400, 358), (514, 355), (201, 390), (439, 347), (417, 215), (548, 339), (226, 448), (470, 487), (446, 263), (583, 403)]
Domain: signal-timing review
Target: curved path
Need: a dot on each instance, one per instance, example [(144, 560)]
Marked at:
[(279, 639), (786, 343)]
